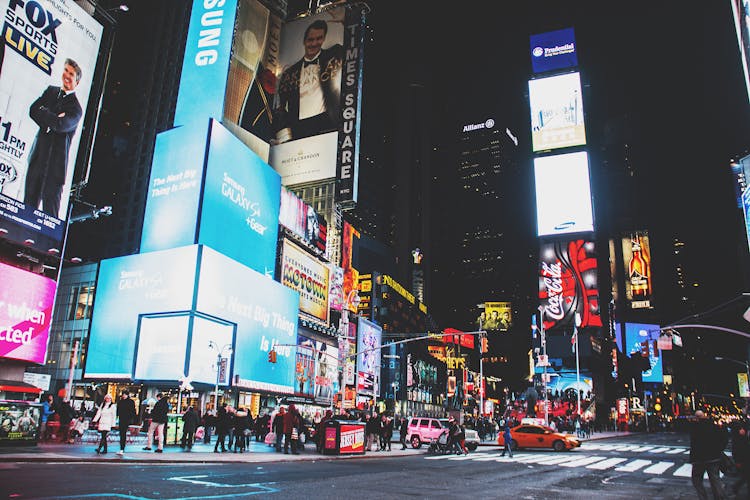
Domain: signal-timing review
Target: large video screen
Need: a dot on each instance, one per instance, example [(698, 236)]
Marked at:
[(563, 194), (369, 336), (302, 219), (302, 272), (638, 339), (50, 54), (210, 339), (162, 347), (741, 13), (556, 112), (25, 314), (553, 50), (241, 201), (636, 259)]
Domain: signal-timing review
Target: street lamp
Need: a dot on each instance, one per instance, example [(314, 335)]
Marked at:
[(225, 348)]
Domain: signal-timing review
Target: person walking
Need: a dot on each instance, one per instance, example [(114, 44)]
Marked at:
[(741, 454), (189, 425), (386, 433), (127, 416), (707, 443), (222, 426), (48, 409), (403, 430), (508, 442), (158, 421), (106, 415), (292, 422)]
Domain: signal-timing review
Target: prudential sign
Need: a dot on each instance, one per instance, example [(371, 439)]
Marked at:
[(553, 50)]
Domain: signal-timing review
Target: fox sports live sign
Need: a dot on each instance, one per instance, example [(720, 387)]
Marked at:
[(39, 37)]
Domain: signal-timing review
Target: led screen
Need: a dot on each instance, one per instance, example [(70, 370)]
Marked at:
[(208, 331), (326, 372), (556, 112), (302, 219), (553, 50), (368, 360), (41, 129), (636, 259), (638, 339), (302, 272), (25, 314), (266, 315), (563, 194), (241, 201), (162, 346), (128, 287)]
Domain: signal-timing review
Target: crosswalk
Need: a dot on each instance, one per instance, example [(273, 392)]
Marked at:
[(646, 462)]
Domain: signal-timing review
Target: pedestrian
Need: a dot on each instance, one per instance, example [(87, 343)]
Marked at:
[(209, 425), (48, 409), (106, 415), (292, 423), (403, 430), (507, 442), (239, 419), (158, 421), (741, 453), (386, 433), (707, 443), (66, 413), (189, 425), (127, 416), (278, 427), (222, 426), (372, 427), (321, 430)]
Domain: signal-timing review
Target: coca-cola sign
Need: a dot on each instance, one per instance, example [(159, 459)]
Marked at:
[(568, 284)]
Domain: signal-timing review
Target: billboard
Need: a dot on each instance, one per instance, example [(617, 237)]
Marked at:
[(326, 372), (563, 194), (496, 316), (741, 13), (553, 50), (636, 259), (302, 220), (349, 243), (50, 52), (746, 213), (369, 336), (302, 272), (556, 105), (638, 339), (568, 284), (26, 301), (304, 368)]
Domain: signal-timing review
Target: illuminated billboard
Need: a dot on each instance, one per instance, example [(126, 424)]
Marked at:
[(636, 258), (156, 313), (349, 239), (496, 316), (25, 314), (553, 50), (369, 336), (563, 194), (741, 13), (556, 112), (568, 284), (639, 340), (207, 187), (746, 212), (302, 220), (302, 272), (50, 52)]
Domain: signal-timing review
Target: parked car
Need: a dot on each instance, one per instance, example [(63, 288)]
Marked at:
[(539, 436), (471, 439)]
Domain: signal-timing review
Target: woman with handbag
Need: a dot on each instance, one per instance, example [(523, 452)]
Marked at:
[(292, 422), (105, 416)]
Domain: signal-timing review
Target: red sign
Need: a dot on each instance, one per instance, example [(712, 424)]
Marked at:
[(352, 438), (458, 339), (622, 410), (568, 284)]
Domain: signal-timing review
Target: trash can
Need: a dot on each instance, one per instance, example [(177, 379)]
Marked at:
[(344, 437)]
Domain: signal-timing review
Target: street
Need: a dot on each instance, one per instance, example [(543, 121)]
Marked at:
[(633, 466)]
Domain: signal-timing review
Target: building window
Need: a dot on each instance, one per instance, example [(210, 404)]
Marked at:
[(81, 299)]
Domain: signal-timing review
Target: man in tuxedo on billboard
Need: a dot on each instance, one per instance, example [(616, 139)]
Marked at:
[(57, 112), (309, 90)]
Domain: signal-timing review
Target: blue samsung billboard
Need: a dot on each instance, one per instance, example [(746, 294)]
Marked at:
[(636, 334), (156, 313), (553, 50), (208, 188)]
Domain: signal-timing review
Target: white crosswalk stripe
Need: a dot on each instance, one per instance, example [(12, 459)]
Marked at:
[(643, 448), (684, 471), (659, 450), (675, 451), (634, 465), (582, 461), (658, 468), (607, 464)]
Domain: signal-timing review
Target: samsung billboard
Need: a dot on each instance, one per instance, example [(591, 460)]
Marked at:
[(50, 55), (553, 50), (563, 194), (556, 105)]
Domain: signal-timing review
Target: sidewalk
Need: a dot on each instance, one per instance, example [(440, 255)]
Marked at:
[(204, 453)]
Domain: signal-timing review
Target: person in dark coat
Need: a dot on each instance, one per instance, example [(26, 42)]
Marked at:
[(278, 427), (386, 432), (707, 443), (741, 453), (403, 430), (189, 425), (126, 414), (57, 113), (158, 422), (222, 427), (292, 423), (240, 426), (66, 413)]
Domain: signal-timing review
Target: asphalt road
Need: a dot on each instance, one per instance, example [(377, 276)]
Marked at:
[(637, 466)]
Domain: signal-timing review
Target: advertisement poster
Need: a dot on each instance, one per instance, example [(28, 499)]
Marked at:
[(349, 245), (304, 273), (304, 369), (638, 340), (25, 314), (352, 439), (368, 357), (496, 316), (51, 49), (636, 258), (553, 50), (326, 376), (302, 220), (568, 284), (556, 112), (19, 422), (563, 194)]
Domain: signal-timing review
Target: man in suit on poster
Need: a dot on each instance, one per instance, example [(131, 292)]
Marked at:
[(57, 112), (309, 90)]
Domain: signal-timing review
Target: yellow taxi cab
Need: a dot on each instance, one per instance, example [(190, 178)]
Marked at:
[(539, 436)]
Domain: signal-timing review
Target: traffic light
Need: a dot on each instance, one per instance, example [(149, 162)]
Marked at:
[(271, 356)]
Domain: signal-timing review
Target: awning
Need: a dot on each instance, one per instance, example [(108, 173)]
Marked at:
[(18, 386)]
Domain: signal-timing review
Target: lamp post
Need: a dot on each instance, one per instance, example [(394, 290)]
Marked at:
[(544, 353), (228, 348), (394, 386), (578, 363)]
